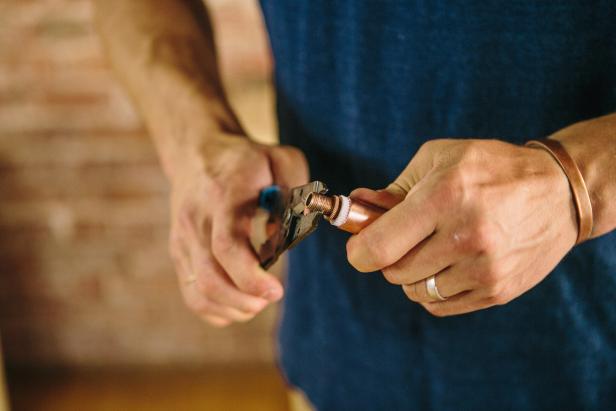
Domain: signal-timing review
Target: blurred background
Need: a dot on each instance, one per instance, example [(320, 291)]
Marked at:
[(90, 314)]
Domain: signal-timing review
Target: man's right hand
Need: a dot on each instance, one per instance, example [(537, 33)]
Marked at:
[(213, 200), (164, 52)]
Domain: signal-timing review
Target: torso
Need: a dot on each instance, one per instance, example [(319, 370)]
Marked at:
[(361, 85)]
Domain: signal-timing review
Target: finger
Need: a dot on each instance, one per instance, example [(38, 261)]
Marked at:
[(382, 198), (214, 283), (203, 306), (477, 299), (449, 283), (232, 249), (420, 165), (431, 256), (392, 235), (187, 279), (460, 304), (181, 262), (289, 166), (223, 291), (211, 279), (228, 313), (194, 277)]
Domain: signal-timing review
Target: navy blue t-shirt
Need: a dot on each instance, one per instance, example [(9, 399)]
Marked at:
[(361, 85)]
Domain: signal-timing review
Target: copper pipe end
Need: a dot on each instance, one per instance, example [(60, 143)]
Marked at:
[(320, 203), (357, 213)]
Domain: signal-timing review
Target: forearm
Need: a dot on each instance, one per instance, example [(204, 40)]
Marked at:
[(163, 51), (592, 144)]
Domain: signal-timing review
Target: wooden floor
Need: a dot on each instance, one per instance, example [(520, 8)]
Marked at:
[(245, 389)]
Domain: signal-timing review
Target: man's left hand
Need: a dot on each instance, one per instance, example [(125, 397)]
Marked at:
[(488, 218)]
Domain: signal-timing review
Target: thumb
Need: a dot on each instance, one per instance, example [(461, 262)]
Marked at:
[(289, 166), (429, 155), (405, 182)]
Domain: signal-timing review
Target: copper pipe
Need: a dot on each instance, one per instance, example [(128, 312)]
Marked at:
[(357, 214), (360, 215)]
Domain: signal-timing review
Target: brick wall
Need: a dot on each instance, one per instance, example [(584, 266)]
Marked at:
[(84, 274)]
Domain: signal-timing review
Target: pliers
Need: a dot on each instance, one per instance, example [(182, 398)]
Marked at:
[(291, 220)]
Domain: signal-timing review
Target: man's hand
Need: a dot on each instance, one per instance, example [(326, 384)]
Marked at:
[(214, 198), (164, 53), (489, 218)]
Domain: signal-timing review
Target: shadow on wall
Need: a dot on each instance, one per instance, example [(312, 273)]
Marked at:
[(17, 262)]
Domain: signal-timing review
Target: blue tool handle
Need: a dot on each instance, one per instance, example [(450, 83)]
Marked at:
[(269, 197)]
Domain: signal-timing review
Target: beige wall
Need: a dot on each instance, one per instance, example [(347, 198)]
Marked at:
[(84, 273)]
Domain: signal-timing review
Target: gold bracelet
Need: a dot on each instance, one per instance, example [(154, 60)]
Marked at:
[(576, 182)]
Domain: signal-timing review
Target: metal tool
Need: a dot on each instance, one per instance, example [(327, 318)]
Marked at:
[(296, 213), (288, 214)]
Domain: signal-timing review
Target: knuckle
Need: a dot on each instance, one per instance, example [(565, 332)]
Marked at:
[(506, 297), (494, 273), (498, 295), (295, 155), (462, 242), (470, 150), (488, 280), (495, 299), (492, 291), (482, 278), (483, 237), (452, 190), (426, 147)]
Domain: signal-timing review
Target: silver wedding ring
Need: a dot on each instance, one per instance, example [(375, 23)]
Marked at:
[(433, 290)]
